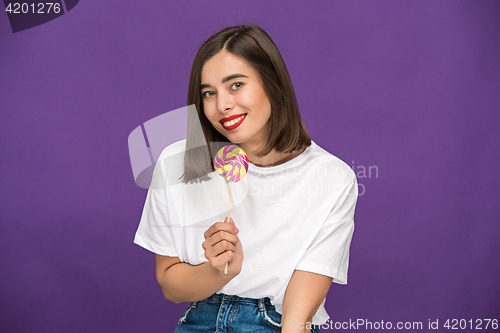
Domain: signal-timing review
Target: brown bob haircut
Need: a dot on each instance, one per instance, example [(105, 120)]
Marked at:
[(254, 45)]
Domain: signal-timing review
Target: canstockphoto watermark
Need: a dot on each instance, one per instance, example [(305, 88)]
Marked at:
[(363, 172), (359, 324), (431, 324), (331, 177)]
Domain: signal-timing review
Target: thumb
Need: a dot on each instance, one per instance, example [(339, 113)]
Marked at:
[(234, 225)]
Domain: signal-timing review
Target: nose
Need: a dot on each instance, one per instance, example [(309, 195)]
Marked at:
[(224, 102)]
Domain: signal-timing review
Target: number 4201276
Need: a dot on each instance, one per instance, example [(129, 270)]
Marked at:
[(39, 8), (478, 324)]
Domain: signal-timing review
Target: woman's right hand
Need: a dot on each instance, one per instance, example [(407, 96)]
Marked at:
[(222, 246)]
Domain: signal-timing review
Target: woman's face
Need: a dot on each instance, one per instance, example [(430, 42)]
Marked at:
[(234, 100)]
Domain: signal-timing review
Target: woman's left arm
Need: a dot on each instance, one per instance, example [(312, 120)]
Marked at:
[(304, 294)]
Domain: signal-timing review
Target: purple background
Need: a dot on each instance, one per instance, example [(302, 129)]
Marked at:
[(411, 87)]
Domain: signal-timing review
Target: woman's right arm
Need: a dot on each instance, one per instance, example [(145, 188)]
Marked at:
[(182, 282)]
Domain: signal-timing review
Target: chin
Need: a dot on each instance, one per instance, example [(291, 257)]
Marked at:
[(236, 140)]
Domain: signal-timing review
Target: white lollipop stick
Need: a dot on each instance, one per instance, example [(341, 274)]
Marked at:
[(228, 219)]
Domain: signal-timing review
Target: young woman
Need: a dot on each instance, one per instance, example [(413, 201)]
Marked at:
[(288, 237)]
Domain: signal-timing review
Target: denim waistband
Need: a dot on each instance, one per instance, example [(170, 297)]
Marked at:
[(218, 298)]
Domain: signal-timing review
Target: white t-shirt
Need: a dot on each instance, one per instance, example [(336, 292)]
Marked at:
[(296, 215)]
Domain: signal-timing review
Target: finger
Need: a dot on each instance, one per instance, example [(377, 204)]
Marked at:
[(210, 231), (218, 237), (215, 246), (219, 226), (219, 250), (224, 235), (233, 224), (219, 262), (223, 246), (230, 226), (224, 258)]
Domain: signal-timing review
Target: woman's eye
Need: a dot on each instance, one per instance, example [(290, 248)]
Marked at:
[(236, 85), (207, 94)]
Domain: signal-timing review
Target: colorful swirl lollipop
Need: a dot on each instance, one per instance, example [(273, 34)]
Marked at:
[(231, 162)]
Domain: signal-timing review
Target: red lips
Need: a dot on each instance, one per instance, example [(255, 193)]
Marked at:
[(235, 125), (223, 120)]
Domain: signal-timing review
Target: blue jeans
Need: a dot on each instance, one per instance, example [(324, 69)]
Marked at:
[(222, 313)]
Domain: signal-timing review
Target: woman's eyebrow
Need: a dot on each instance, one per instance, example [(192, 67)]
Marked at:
[(227, 78)]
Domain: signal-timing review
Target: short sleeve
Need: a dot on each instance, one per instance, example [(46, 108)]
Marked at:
[(154, 232), (328, 253)]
